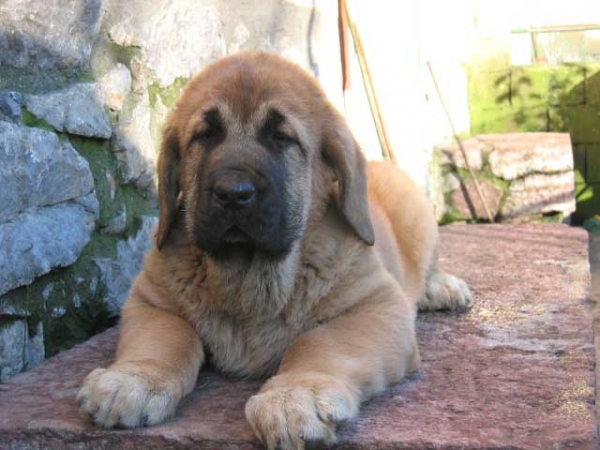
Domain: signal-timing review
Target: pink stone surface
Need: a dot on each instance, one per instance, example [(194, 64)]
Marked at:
[(465, 199), (516, 372), (515, 155)]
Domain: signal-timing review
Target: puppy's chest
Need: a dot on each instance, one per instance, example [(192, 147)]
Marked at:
[(247, 341), (246, 346)]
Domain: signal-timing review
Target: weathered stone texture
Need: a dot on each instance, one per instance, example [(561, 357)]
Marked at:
[(134, 148), (177, 38), (533, 172), (53, 34), (516, 372), (540, 194), (38, 169), (452, 154), (78, 110), (117, 274), (47, 207), (19, 350), (467, 202), (519, 154), (10, 105), (36, 241), (115, 87)]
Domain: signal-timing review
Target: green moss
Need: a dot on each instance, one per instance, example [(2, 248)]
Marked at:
[(592, 84), (529, 87), (112, 195), (103, 165), (138, 203), (452, 216), (582, 122), (68, 301), (86, 77), (484, 175), (566, 85), (579, 157), (561, 98), (508, 120), (170, 94), (32, 121), (488, 90), (122, 54)]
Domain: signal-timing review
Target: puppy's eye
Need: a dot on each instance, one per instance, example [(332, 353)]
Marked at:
[(282, 140), (208, 137), (213, 130), (210, 133)]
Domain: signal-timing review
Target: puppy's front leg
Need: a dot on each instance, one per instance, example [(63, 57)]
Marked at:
[(328, 371), (158, 359)]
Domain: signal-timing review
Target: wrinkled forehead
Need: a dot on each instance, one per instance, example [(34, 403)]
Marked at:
[(246, 93)]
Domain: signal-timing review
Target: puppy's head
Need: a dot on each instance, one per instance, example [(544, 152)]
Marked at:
[(245, 154)]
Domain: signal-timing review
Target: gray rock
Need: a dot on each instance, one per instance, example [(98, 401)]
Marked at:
[(18, 350), (78, 110), (50, 34), (134, 148), (13, 340), (176, 38), (538, 194), (10, 105), (118, 224), (38, 240), (115, 87), (519, 154), (37, 169), (35, 351), (118, 274)]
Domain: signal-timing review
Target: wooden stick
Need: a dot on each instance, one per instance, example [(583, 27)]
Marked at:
[(384, 142), (343, 30), (460, 145)]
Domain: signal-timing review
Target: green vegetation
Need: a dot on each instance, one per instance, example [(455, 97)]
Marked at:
[(564, 98)]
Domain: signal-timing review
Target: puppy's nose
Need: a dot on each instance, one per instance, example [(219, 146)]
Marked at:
[(234, 191)]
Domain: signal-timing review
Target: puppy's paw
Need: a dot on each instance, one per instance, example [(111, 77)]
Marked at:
[(445, 291), (127, 396), (287, 415)]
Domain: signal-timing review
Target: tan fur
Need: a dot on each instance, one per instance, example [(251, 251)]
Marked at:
[(333, 320)]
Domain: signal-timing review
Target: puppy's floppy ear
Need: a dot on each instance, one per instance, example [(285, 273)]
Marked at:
[(343, 152), (168, 184)]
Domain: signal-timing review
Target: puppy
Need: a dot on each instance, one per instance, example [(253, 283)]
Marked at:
[(279, 252)]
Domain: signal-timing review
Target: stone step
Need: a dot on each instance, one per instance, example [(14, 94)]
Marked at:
[(516, 372)]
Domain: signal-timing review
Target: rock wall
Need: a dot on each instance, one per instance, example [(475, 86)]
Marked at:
[(85, 87), (522, 177)]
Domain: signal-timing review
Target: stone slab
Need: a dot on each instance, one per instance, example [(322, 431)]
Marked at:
[(38, 169), (39, 36), (516, 372), (540, 193), (38, 240), (517, 154), (77, 110), (465, 199)]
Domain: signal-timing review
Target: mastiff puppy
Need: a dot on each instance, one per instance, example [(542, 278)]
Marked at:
[(279, 253)]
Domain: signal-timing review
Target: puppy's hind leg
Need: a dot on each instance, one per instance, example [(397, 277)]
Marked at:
[(445, 291)]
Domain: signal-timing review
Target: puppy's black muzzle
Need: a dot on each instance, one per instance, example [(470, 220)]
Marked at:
[(234, 190), (242, 208)]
